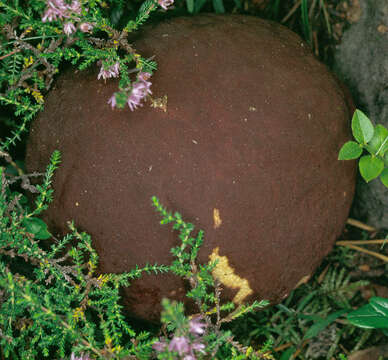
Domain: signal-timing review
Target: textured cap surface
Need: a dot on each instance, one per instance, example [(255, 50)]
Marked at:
[(247, 151)]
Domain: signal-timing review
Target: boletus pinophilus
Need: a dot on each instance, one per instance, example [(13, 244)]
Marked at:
[(246, 150)]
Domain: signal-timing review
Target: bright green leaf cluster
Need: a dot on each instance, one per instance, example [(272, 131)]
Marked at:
[(371, 316), (372, 139)]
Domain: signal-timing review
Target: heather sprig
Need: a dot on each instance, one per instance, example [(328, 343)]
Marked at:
[(50, 295), (38, 37), (201, 336)]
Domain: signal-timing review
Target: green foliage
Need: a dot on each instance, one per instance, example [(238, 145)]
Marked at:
[(321, 324), (372, 139), (370, 167), (54, 303), (362, 127), (36, 227), (51, 295), (45, 191), (33, 50), (371, 316), (195, 6), (305, 20), (309, 318), (351, 150)]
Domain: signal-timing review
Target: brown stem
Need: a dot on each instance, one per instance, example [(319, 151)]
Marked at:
[(9, 54)]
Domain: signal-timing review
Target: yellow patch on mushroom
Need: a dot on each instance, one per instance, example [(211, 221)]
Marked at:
[(216, 218), (226, 275)]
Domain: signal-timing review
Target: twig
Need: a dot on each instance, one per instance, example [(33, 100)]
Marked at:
[(373, 253), (217, 293), (361, 242), (291, 12), (9, 54), (360, 225), (316, 45), (283, 347), (9, 160)]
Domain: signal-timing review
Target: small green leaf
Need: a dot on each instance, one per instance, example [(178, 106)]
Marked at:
[(380, 305), (350, 150), (371, 316), (370, 167), (287, 355), (384, 177), (362, 127), (198, 5), (322, 324), (190, 6), (379, 141), (121, 99), (218, 6), (37, 227)]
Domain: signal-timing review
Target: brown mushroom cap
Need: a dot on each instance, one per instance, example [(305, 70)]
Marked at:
[(247, 151)]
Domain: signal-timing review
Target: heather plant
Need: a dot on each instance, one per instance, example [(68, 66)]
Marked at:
[(52, 301), (54, 304), (37, 37)]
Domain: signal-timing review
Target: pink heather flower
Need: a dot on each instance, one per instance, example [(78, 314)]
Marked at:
[(198, 347), (137, 95), (159, 345), (75, 7), (115, 68), (69, 28), (58, 8), (82, 357), (189, 357), (86, 27), (197, 326), (112, 71), (140, 89), (55, 8), (112, 101), (165, 3), (179, 344), (143, 77)]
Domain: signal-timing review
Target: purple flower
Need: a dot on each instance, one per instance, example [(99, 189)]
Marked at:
[(55, 8), (189, 357), (179, 344), (82, 357), (165, 3), (69, 28), (139, 92), (143, 77), (112, 101), (140, 89), (136, 96), (197, 326), (115, 68), (198, 347), (112, 71), (58, 8), (75, 7), (86, 27), (159, 345)]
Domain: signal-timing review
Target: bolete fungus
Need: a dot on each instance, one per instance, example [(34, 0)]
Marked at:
[(246, 150)]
